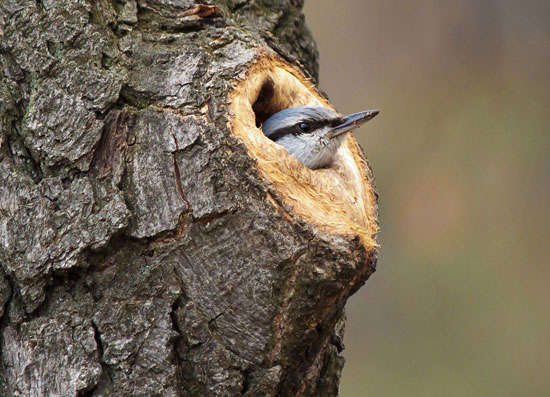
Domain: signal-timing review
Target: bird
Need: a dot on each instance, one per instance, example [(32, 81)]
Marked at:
[(313, 134)]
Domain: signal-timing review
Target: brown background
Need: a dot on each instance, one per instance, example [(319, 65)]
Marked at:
[(459, 305)]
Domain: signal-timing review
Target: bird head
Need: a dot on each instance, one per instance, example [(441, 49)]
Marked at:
[(313, 134)]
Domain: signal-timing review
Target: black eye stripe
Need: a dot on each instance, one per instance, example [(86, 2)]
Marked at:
[(282, 132), (335, 122), (295, 129)]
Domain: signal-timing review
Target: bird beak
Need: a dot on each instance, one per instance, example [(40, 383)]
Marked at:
[(351, 122)]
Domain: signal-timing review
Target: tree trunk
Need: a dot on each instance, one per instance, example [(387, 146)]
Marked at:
[(153, 241)]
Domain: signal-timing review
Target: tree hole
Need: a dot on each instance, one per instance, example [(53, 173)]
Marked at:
[(339, 199), (264, 106)]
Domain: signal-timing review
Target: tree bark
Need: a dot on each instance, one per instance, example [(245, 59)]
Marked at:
[(153, 241)]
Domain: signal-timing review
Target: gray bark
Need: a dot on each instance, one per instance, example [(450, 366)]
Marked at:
[(139, 252)]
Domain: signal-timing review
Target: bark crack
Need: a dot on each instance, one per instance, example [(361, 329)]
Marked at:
[(315, 367), (240, 5), (22, 156), (178, 174), (106, 371), (281, 324), (213, 319), (246, 380), (6, 305)]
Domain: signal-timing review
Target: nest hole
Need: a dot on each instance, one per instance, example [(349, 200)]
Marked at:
[(277, 90), (339, 199), (264, 107)]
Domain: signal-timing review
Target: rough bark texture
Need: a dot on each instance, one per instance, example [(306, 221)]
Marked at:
[(140, 250)]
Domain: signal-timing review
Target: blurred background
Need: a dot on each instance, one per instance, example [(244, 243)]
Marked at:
[(460, 303)]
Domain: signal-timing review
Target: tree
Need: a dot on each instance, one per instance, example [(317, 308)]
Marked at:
[(153, 241)]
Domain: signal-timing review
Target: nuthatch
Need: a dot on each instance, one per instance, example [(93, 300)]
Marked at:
[(313, 134)]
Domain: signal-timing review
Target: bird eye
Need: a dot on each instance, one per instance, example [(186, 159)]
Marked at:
[(305, 127)]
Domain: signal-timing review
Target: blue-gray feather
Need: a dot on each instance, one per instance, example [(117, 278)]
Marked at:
[(292, 116), (313, 134), (312, 148)]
